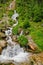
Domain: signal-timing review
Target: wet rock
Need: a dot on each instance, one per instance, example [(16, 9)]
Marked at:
[(2, 43)]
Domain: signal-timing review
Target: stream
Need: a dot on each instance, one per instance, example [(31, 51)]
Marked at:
[(13, 53)]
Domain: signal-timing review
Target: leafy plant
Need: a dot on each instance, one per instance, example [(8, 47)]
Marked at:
[(15, 30), (22, 40)]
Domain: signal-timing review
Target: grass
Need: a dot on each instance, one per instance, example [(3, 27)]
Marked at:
[(36, 31)]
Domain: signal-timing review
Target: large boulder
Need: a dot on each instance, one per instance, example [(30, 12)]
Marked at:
[(31, 43), (2, 35), (2, 43)]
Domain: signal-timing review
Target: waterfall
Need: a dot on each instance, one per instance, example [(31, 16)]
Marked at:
[(13, 53)]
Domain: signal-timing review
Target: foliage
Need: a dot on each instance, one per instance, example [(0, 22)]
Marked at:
[(30, 9), (3, 1), (36, 31), (26, 24), (11, 22), (10, 13), (22, 40), (15, 30)]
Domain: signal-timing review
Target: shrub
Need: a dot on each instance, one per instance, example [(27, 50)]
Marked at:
[(22, 40)]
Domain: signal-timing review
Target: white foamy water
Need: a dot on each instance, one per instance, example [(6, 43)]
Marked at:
[(15, 15), (21, 57), (13, 53), (8, 32)]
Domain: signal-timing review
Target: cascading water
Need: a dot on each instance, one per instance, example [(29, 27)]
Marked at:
[(13, 53)]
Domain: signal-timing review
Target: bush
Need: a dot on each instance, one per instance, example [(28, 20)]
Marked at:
[(22, 40)]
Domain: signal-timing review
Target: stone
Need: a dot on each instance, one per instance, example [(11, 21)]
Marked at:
[(3, 43), (14, 38), (31, 44), (0, 21), (2, 35), (0, 49)]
